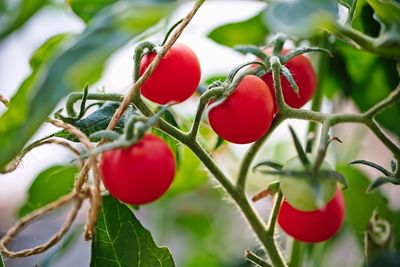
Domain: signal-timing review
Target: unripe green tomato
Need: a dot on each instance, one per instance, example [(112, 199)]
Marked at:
[(298, 191)]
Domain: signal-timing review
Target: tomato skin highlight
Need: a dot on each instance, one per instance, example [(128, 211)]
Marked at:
[(140, 173), (314, 226), (175, 79), (246, 115), (304, 75)]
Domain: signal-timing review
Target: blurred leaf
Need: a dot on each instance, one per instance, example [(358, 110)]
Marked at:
[(48, 186), (62, 249), (80, 63), (121, 240), (98, 121), (381, 181), (169, 117), (299, 17), (360, 205), (346, 3), (366, 79), (363, 19), (250, 31), (87, 9), (21, 12), (387, 260), (190, 174), (387, 11), (1, 261)]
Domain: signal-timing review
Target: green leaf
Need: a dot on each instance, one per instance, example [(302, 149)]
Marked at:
[(1, 261), (48, 186), (121, 240), (250, 31), (387, 11), (360, 204), (13, 19), (299, 17), (346, 3), (366, 79), (98, 121), (87, 9), (81, 62)]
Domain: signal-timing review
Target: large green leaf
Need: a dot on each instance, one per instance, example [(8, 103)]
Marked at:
[(299, 17), (250, 31), (98, 121), (12, 19), (48, 186), (366, 79), (87, 9), (121, 240), (387, 11), (81, 61)]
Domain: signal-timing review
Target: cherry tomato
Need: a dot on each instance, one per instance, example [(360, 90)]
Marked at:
[(246, 115), (140, 173), (175, 78), (304, 75), (313, 226), (298, 191)]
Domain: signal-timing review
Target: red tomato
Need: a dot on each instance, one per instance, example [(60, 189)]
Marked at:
[(141, 173), (246, 115), (175, 78), (313, 226), (304, 75)]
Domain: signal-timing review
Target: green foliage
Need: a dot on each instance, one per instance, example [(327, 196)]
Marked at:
[(360, 204), (1, 261), (300, 17), (87, 9), (80, 62), (190, 175), (121, 240), (250, 31), (365, 78), (12, 19), (98, 121), (48, 186), (387, 12)]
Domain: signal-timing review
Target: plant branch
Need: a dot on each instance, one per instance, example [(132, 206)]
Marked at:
[(274, 214), (252, 152), (204, 100), (253, 258)]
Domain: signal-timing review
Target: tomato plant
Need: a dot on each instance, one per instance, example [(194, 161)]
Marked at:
[(313, 226), (138, 155), (129, 173), (176, 77), (246, 115)]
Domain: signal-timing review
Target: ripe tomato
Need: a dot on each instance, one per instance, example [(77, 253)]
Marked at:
[(140, 173), (246, 115), (313, 226), (304, 75), (298, 191), (175, 78)]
